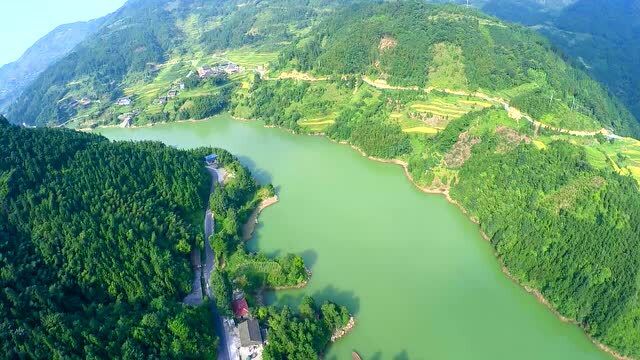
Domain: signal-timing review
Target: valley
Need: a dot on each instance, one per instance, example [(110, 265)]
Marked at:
[(538, 159), (431, 280)]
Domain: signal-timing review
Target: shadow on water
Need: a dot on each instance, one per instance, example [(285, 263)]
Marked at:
[(402, 356), (342, 297), (310, 258), (262, 175)]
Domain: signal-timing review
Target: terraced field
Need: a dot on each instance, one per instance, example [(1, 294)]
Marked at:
[(316, 125), (433, 114)]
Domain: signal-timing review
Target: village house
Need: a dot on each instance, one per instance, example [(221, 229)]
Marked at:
[(181, 86), (211, 160), (161, 100), (84, 101), (172, 94), (205, 71), (250, 334), (124, 101), (231, 68), (240, 308)]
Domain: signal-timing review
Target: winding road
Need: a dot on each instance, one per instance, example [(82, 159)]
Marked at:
[(225, 350)]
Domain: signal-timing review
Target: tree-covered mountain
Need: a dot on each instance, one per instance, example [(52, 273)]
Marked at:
[(94, 244), (146, 33), (600, 37), (413, 44), (486, 111), (16, 76), (487, 55), (409, 82)]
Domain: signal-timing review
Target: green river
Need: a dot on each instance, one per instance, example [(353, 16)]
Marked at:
[(416, 273)]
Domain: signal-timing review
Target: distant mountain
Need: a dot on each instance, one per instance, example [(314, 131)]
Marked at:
[(601, 37), (458, 48), (16, 76)]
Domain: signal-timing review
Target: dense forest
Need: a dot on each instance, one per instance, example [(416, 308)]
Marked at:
[(562, 227), (413, 43), (600, 37), (301, 335), (95, 242), (145, 33)]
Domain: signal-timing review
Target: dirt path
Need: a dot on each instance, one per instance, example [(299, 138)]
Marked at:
[(513, 112)]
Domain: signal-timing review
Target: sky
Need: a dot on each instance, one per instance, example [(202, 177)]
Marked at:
[(23, 22)]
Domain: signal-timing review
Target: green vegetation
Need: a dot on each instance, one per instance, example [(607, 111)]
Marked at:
[(291, 336), (302, 335), (528, 188), (232, 205), (95, 239), (600, 37), (562, 227), (410, 43)]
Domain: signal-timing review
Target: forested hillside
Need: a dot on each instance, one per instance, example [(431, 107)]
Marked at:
[(561, 209), (135, 43), (600, 37), (94, 240), (450, 47)]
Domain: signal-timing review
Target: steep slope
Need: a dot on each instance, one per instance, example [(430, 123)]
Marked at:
[(16, 76), (561, 209), (413, 44), (603, 38), (600, 37), (143, 35), (95, 240)]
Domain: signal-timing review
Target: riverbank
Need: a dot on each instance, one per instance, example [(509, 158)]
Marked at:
[(533, 291), (342, 332), (88, 129), (249, 227)]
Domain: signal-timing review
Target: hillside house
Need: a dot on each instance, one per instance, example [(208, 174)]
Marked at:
[(172, 94), (231, 68), (205, 72), (124, 101)]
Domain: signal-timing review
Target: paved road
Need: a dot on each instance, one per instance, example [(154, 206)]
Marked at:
[(224, 352), (195, 298)]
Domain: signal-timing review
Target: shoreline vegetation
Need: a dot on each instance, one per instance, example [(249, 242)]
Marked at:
[(531, 290), (444, 191), (342, 332)]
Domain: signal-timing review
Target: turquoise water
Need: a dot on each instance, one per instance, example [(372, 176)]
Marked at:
[(416, 273)]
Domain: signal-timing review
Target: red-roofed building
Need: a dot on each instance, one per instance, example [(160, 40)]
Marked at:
[(240, 308)]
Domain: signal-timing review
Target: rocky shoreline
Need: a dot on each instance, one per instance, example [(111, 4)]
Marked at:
[(342, 332)]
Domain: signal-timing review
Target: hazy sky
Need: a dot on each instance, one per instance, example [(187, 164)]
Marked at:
[(23, 22)]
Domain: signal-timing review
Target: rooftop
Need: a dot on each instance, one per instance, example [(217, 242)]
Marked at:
[(250, 333), (240, 308)]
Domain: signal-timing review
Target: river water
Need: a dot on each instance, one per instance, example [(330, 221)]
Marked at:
[(416, 273)]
